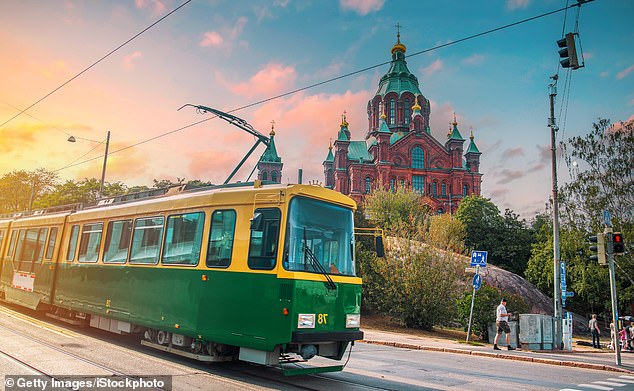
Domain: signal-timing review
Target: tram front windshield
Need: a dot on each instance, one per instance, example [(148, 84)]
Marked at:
[(319, 232)]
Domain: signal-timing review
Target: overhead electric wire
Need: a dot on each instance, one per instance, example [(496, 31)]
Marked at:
[(327, 81), (94, 63)]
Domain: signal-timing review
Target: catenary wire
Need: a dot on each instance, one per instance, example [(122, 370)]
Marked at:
[(327, 81), (94, 63)]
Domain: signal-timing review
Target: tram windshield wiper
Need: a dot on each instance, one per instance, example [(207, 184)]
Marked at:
[(316, 264)]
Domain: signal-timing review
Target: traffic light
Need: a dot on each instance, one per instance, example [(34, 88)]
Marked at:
[(618, 246), (599, 249), (568, 52)]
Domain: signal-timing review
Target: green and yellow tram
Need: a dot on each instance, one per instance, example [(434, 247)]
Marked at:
[(262, 273)]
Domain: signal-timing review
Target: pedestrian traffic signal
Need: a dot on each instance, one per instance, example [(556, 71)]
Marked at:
[(599, 249), (618, 246), (568, 52)]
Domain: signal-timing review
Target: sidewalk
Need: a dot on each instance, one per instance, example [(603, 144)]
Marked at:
[(581, 356)]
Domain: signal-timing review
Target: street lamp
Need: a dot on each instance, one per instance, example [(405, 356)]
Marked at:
[(71, 139)]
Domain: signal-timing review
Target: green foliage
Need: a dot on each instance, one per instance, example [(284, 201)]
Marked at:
[(507, 238), (19, 190), (414, 284), (446, 233), (487, 299), (398, 212)]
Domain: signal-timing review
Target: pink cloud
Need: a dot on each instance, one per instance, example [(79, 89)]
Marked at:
[(512, 152), (434, 67), (128, 61), (516, 4), (211, 39), (624, 72), (273, 79), (156, 6), (362, 7)]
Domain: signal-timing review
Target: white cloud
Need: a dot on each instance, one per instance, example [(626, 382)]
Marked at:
[(434, 67), (624, 72), (211, 39), (128, 61), (362, 7), (515, 4)]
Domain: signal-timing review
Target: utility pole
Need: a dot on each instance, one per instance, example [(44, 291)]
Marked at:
[(558, 309), (103, 169)]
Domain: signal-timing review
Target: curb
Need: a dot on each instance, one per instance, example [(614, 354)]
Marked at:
[(576, 364)]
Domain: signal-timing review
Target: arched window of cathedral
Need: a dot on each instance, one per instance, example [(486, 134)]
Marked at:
[(418, 183), (434, 188), (418, 158), (392, 111), (264, 176), (368, 184), (465, 190), (443, 189), (274, 176), (392, 185), (401, 183), (407, 111)]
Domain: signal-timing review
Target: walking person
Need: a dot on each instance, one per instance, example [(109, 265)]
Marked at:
[(593, 324), (502, 323)]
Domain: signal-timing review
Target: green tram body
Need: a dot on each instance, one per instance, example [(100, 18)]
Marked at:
[(253, 306)]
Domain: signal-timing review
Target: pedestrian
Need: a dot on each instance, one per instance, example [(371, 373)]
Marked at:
[(502, 323), (594, 330)]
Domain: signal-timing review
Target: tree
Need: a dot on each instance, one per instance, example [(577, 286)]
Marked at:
[(20, 189), (507, 238), (399, 212), (446, 233), (601, 165)]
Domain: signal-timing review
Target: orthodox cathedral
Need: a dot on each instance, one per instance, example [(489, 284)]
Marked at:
[(399, 149)]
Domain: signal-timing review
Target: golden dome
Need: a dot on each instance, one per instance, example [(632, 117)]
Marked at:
[(398, 46)]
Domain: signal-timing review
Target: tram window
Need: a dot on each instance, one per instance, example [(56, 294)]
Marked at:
[(90, 242), (1, 240), (183, 238), (146, 240), (52, 238), (72, 245), (117, 241), (14, 237), (41, 243), (264, 239), (223, 227), (28, 249)]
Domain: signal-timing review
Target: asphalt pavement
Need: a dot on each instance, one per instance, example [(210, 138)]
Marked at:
[(581, 356)]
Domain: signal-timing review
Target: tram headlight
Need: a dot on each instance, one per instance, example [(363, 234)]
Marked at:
[(353, 320), (306, 321)]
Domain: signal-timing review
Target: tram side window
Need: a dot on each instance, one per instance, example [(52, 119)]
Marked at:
[(72, 245), (30, 248), (52, 238), (265, 229), (90, 242), (117, 241), (146, 240), (183, 239), (12, 241), (223, 226)]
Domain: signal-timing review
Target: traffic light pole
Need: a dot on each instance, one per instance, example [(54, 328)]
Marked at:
[(558, 308), (615, 307)]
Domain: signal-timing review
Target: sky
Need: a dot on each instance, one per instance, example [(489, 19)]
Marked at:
[(231, 54)]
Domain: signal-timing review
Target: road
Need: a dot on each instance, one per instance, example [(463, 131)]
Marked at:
[(32, 344)]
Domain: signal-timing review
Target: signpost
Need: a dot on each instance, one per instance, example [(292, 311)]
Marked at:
[(478, 260)]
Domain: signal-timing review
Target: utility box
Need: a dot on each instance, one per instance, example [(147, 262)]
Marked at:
[(567, 332), (502, 340), (537, 331), (531, 331)]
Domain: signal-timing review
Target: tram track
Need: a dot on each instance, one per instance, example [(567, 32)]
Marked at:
[(259, 377)]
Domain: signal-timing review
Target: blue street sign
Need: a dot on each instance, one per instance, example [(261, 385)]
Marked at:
[(479, 258), (477, 281), (607, 219)]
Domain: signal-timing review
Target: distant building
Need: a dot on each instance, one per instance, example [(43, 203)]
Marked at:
[(399, 149), (270, 164)]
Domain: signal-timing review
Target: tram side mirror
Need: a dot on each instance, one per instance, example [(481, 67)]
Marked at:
[(257, 222), (378, 244)]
